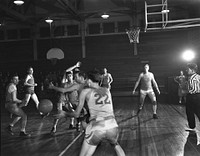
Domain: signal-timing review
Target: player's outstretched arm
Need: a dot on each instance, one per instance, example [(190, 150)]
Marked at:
[(155, 84), (78, 64), (64, 90), (137, 83), (111, 78)]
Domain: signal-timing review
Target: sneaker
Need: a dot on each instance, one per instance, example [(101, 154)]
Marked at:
[(9, 130), (53, 131), (24, 134), (72, 126), (155, 116)]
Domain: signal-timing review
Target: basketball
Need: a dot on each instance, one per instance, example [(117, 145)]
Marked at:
[(45, 106)]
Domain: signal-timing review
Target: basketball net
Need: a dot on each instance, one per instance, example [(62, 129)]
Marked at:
[(133, 34), (53, 61)]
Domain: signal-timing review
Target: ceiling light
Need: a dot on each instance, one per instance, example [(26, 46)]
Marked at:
[(49, 20), (188, 55), (165, 11), (105, 16), (19, 2)]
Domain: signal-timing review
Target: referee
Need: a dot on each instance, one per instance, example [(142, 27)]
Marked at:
[(193, 96)]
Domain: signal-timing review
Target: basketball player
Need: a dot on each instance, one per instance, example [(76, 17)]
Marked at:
[(66, 101), (80, 79), (30, 88), (13, 105), (102, 124), (106, 79), (146, 79), (72, 97), (182, 86)]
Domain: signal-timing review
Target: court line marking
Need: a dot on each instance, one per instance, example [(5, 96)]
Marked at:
[(63, 152)]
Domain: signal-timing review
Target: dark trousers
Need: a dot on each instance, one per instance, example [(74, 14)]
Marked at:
[(192, 108)]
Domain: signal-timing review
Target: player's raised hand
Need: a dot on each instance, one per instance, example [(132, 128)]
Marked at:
[(78, 64)]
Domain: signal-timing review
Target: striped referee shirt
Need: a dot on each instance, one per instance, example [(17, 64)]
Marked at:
[(194, 84)]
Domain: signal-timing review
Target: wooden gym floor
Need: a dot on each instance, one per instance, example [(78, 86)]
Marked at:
[(139, 135)]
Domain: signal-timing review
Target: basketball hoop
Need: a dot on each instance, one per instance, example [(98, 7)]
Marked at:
[(55, 54), (133, 34)]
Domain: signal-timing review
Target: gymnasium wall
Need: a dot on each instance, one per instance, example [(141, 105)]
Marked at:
[(161, 49)]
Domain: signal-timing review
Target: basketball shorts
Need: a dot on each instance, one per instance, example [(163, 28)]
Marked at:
[(182, 92), (150, 93), (12, 107), (98, 131), (30, 91)]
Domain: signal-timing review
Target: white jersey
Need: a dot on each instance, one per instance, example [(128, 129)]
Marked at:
[(101, 110), (10, 89), (100, 105)]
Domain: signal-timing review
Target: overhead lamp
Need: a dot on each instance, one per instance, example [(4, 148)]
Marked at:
[(188, 55), (19, 2), (105, 16), (165, 11), (49, 20)]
